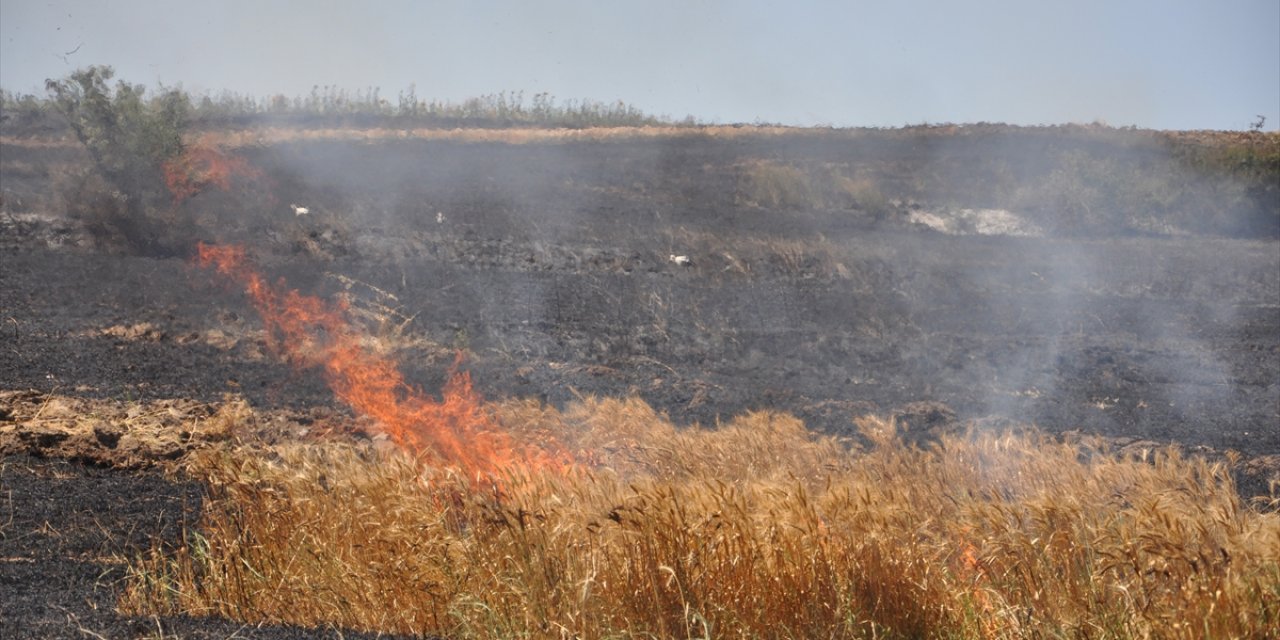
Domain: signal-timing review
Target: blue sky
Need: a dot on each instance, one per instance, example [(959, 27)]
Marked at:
[(1171, 65)]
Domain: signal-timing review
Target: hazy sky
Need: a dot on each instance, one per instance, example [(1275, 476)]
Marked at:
[(1162, 64)]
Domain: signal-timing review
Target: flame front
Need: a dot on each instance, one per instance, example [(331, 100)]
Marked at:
[(201, 166), (310, 332)]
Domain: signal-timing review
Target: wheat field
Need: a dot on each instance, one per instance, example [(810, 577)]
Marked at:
[(753, 529)]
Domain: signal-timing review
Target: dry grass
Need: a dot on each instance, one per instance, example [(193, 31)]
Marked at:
[(519, 135), (756, 529), (389, 325), (729, 254), (861, 193), (1268, 141), (113, 432), (266, 135), (775, 185)]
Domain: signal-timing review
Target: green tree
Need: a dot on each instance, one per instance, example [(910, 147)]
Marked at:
[(129, 139)]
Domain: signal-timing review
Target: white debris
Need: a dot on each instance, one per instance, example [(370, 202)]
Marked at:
[(299, 211), (982, 222), (439, 217), (680, 260)]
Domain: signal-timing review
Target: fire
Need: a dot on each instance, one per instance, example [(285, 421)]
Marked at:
[(308, 331), (971, 568), (201, 166)]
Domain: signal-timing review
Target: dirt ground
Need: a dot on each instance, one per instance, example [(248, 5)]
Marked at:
[(548, 265)]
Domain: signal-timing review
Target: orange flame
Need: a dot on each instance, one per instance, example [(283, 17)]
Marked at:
[(201, 166), (308, 331), (971, 568)]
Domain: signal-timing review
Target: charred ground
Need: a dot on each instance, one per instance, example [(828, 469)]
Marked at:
[(832, 275)]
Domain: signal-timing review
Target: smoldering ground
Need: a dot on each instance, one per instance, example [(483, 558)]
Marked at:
[(546, 261), (813, 287)]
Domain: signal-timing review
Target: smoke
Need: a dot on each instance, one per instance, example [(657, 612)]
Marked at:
[(1055, 292), (1117, 318)]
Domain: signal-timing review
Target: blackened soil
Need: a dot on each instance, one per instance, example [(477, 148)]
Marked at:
[(66, 533), (1138, 338), (547, 264)]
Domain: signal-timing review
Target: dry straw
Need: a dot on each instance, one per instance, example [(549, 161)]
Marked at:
[(756, 529)]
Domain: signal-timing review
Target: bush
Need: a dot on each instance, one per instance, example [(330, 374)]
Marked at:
[(23, 114), (775, 186), (1088, 194), (129, 140), (861, 194)]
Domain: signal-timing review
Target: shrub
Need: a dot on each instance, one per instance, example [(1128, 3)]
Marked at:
[(23, 114), (772, 185), (129, 139), (1088, 194), (775, 186), (861, 194)]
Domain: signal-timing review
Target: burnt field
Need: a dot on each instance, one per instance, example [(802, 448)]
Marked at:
[(830, 276), (548, 265)]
